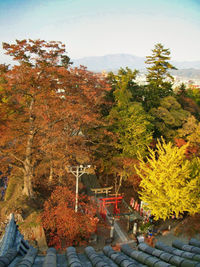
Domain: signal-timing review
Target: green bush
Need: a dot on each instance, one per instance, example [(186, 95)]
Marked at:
[(144, 228)]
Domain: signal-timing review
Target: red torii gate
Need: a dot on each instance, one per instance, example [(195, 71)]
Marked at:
[(109, 200)]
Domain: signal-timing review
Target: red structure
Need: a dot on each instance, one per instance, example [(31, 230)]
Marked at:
[(109, 200)]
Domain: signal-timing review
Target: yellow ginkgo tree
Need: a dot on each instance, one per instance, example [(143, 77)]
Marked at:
[(168, 187)]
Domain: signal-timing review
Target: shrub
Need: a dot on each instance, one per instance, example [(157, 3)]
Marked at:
[(63, 226)]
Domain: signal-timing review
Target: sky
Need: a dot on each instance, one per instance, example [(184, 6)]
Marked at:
[(101, 27)]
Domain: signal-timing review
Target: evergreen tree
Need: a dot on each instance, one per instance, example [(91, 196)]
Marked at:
[(133, 128), (129, 120), (125, 78), (168, 117), (158, 72), (158, 77), (129, 128)]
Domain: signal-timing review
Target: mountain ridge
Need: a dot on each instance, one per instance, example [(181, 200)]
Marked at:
[(112, 62)]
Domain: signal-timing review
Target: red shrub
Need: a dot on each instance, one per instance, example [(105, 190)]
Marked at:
[(64, 227)]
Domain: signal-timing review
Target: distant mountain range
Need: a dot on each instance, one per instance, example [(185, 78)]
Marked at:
[(115, 61), (111, 62)]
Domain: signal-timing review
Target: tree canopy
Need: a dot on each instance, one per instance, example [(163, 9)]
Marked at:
[(159, 79), (63, 225), (168, 117), (158, 72), (53, 116), (169, 185), (48, 111)]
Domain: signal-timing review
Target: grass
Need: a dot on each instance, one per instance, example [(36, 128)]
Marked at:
[(15, 202), (33, 220), (15, 185)]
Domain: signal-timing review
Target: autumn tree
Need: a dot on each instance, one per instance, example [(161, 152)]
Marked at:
[(190, 132), (3, 95), (189, 99), (194, 93), (65, 227), (51, 107), (30, 85), (170, 184)]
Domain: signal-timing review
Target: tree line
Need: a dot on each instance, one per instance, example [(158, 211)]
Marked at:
[(157, 137)]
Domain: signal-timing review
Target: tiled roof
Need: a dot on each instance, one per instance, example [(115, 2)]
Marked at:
[(15, 251)]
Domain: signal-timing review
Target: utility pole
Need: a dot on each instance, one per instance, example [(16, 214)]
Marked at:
[(78, 171)]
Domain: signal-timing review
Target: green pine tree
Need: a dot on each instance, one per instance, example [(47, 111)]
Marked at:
[(158, 72), (158, 77)]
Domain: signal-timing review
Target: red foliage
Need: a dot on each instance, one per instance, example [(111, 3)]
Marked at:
[(189, 104), (191, 149), (180, 142), (65, 227), (48, 111)]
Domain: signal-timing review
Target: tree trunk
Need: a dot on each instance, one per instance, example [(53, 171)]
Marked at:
[(28, 168), (118, 186), (50, 173), (28, 177)]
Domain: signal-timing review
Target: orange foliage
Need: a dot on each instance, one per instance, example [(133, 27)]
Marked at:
[(190, 150), (48, 111), (64, 227), (179, 142)]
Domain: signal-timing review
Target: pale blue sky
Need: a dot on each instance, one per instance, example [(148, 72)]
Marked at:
[(100, 27)]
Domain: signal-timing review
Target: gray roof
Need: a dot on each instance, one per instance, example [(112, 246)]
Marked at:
[(15, 251)]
